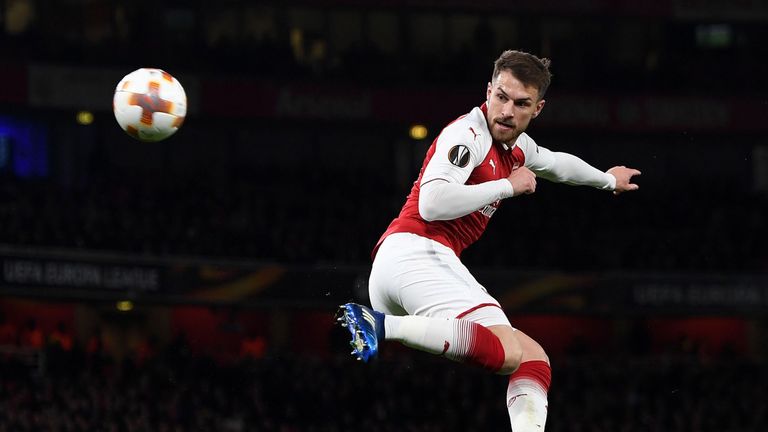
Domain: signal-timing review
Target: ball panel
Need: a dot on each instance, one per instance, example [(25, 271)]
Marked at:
[(132, 131)]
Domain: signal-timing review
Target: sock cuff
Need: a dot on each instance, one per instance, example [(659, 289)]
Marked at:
[(485, 348), (537, 371)]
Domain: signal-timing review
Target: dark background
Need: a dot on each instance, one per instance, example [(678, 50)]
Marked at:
[(190, 284)]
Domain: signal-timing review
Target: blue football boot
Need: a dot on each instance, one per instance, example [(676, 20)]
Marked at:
[(366, 326)]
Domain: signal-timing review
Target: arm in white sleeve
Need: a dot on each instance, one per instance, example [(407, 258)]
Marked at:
[(569, 169), (563, 167), (443, 200)]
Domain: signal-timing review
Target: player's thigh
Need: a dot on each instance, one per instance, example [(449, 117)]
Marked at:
[(382, 282), (422, 277), (440, 285)]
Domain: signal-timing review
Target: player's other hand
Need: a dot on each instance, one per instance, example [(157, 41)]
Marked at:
[(624, 179), (523, 181)]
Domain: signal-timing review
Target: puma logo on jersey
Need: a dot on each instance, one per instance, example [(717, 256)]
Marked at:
[(459, 155), (493, 165), (474, 133)]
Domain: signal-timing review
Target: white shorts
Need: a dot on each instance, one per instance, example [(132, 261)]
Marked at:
[(413, 275)]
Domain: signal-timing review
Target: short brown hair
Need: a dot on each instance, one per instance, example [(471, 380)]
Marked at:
[(529, 69)]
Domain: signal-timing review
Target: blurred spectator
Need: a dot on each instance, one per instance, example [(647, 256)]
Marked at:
[(8, 332), (60, 337), (31, 335), (253, 346)]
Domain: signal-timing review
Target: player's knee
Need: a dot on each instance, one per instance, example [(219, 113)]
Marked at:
[(535, 353), (532, 350), (513, 355), (513, 350)]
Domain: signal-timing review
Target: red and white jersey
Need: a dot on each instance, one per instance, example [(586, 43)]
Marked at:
[(463, 153)]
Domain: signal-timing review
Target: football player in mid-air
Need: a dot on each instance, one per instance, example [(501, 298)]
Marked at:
[(421, 293)]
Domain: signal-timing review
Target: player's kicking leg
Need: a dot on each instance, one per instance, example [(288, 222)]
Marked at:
[(456, 339)]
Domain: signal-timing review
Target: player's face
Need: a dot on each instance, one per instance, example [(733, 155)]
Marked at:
[(511, 106)]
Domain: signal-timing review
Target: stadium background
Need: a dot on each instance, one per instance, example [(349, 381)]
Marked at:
[(190, 284)]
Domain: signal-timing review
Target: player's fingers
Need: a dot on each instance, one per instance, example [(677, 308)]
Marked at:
[(627, 188), (634, 172)]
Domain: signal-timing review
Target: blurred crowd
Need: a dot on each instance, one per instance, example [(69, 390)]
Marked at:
[(317, 208), (175, 390), (452, 44), (338, 221)]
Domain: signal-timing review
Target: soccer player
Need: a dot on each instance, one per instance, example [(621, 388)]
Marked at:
[(421, 293)]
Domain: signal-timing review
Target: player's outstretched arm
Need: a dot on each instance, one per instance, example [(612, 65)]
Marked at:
[(566, 168), (623, 177)]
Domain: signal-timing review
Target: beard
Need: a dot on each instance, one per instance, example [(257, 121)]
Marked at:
[(505, 134)]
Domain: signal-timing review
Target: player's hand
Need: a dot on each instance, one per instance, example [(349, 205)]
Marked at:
[(623, 179), (523, 181)]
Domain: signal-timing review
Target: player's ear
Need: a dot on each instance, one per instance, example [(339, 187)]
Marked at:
[(539, 107), (488, 93)]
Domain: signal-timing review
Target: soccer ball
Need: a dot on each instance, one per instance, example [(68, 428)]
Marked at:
[(149, 104)]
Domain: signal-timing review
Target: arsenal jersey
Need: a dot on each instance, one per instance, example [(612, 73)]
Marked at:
[(463, 153)]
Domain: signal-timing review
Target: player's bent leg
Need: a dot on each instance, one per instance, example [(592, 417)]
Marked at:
[(513, 350), (528, 387), (457, 339)]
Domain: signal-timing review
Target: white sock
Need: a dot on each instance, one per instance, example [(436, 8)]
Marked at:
[(423, 333), (459, 340), (527, 405), (391, 326)]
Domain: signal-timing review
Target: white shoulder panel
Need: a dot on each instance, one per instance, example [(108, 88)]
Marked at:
[(461, 147)]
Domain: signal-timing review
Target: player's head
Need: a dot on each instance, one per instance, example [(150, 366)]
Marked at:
[(527, 68), (516, 93)]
